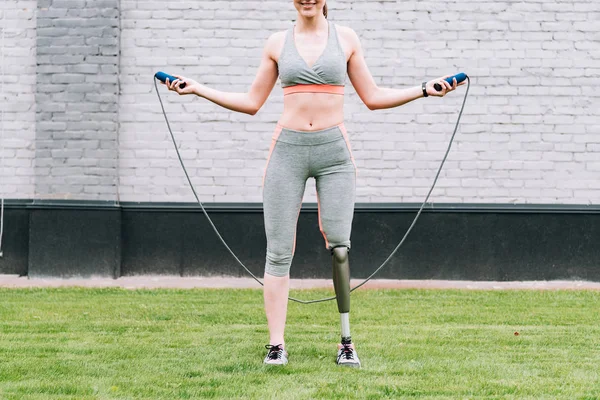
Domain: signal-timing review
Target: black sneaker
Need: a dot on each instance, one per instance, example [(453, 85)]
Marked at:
[(347, 356), (276, 355)]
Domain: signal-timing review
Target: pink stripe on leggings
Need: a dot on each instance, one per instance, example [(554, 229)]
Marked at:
[(276, 134)]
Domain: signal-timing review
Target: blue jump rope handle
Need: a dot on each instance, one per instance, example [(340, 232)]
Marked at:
[(162, 76), (459, 78)]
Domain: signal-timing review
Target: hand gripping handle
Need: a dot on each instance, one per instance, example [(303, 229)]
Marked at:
[(162, 76), (459, 78)]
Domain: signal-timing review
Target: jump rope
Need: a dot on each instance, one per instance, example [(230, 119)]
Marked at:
[(459, 78)]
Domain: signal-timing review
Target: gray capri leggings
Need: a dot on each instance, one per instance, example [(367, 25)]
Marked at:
[(293, 158)]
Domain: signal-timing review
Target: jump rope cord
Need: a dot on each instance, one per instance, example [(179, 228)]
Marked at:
[(194, 190), (386, 260)]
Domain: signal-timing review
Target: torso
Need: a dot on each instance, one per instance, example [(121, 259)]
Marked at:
[(312, 111)]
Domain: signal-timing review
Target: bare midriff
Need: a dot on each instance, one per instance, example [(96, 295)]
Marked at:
[(312, 111)]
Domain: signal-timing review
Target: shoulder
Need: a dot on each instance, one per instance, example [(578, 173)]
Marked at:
[(274, 43), (276, 36), (348, 39), (276, 39), (347, 33)]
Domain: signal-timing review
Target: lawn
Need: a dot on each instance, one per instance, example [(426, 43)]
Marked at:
[(76, 343)]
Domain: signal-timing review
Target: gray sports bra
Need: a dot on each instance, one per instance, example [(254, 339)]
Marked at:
[(327, 75)]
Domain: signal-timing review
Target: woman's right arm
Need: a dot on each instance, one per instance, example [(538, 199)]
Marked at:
[(249, 102)]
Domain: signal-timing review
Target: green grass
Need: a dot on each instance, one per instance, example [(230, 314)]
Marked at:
[(75, 343)]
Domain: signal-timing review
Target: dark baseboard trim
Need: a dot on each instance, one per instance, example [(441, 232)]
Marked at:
[(257, 207), (500, 242)]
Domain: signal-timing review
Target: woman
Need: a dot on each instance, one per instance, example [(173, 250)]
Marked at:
[(311, 59)]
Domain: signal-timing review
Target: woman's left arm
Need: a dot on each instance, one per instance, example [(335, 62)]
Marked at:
[(375, 97)]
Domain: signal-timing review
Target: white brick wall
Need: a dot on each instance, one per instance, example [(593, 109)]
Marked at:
[(77, 99), (530, 132), (17, 19), (219, 43)]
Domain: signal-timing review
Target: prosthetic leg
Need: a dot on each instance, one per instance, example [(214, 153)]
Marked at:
[(341, 284)]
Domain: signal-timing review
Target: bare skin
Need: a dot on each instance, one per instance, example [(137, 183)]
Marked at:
[(307, 111)]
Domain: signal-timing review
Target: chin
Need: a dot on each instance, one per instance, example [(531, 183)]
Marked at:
[(308, 13)]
